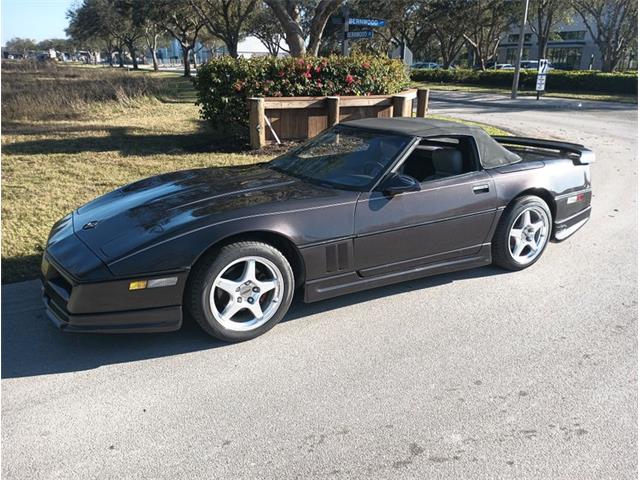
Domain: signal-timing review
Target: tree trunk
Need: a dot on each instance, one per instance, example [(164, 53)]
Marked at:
[(185, 59), (152, 42), (154, 58), (292, 32), (132, 52), (232, 47), (120, 58)]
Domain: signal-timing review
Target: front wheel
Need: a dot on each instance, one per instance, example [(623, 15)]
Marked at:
[(522, 234), (241, 291)]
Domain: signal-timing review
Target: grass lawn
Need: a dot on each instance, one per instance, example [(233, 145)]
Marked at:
[(595, 96), (53, 164)]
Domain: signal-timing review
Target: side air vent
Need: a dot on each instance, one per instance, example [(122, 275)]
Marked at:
[(337, 257)]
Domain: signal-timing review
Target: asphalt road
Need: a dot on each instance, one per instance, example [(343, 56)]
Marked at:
[(480, 374)]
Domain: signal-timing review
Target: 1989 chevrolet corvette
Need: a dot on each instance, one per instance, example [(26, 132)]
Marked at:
[(366, 203)]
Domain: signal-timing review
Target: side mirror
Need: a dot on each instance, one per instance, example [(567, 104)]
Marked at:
[(399, 183)]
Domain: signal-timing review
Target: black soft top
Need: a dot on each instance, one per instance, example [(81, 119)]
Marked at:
[(492, 154)]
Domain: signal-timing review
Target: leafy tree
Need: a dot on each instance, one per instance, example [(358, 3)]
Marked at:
[(130, 27), (302, 19), (267, 31), (613, 25), (95, 21), (183, 23), (87, 29), (486, 21), (546, 15), (148, 16), (21, 45), (450, 19), (59, 44), (228, 20)]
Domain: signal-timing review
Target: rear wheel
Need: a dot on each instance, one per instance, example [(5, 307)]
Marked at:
[(241, 291), (522, 234)]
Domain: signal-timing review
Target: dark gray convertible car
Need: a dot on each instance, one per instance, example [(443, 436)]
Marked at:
[(366, 203)]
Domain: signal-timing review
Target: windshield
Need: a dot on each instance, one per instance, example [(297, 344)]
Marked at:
[(342, 157)]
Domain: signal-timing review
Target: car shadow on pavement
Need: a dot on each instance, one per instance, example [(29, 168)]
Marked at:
[(32, 346)]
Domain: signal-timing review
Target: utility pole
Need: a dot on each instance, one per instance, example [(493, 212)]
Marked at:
[(516, 74), (345, 29)]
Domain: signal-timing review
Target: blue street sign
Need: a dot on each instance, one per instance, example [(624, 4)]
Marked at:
[(360, 34), (367, 22)]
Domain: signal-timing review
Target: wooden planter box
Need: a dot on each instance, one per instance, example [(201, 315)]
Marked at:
[(299, 118)]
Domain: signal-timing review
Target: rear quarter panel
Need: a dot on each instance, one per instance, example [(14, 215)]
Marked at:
[(561, 178)]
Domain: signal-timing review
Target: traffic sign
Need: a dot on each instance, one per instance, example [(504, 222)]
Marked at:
[(359, 34), (540, 83), (359, 22), (367, 22), (543, 66)]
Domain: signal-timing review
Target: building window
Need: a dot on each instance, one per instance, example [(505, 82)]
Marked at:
[(512, 55), (567, 58), (572, 35), (515, 37)]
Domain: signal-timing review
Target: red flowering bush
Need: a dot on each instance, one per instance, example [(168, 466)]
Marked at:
[(224, 84)]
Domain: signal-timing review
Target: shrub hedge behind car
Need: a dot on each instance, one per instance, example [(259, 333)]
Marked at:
[(224, 84), (557, 80)]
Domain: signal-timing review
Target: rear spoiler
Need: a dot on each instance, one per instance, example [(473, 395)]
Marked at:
[(578, 153)]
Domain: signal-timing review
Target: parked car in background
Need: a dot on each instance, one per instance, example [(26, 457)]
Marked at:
[(427, 65), (533, 65), (366, 203)]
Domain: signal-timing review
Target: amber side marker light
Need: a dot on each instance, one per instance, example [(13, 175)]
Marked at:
[(155, 283)]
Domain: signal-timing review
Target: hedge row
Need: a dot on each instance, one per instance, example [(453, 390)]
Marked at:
[(557, 80), (224, 84)]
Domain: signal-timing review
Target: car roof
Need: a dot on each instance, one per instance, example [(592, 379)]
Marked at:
[(420, 127)]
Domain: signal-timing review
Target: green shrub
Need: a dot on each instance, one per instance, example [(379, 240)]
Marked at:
[(224, 84), (557, 80)]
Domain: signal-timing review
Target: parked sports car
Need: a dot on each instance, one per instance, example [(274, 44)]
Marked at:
[(367, 203)]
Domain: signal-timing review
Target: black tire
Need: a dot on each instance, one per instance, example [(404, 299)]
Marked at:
[(206, 271), (500, 246)]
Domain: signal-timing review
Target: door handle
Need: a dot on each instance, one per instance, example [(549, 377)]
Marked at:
[(484, 188)]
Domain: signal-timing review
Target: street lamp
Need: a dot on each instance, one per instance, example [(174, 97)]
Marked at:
[(516, 74)]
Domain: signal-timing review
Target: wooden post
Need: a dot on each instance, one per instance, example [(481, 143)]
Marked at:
[(257, 137), (333, 106), (423, 102), (401, 106)]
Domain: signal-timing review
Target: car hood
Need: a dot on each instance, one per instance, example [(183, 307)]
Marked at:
[(164, 206)]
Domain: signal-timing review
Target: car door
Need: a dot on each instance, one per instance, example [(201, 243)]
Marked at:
[(447, 218)]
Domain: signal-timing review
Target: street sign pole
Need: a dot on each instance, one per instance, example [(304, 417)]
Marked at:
[(345, 29), (516, 74), (541, 79)]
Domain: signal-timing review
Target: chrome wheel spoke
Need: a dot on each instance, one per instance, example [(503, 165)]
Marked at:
[(229, 286), (516, 233), (526, 218), (249, 273), (256, 310), (231, 309), (519, 247), (537, 226), (267, 285)]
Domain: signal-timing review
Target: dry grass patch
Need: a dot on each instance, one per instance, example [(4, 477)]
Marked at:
[(51, 167)]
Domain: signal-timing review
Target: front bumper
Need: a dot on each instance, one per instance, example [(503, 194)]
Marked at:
[(108, 307)]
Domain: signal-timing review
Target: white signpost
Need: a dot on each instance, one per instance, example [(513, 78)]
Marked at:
[(541, 80)]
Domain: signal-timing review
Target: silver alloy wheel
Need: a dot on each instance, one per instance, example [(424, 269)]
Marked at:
[(528, 235), (246, 293)]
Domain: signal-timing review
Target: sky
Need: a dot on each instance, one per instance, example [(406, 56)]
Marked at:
[(36, 19)]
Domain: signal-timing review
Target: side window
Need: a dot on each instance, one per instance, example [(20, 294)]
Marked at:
[(440, 157)]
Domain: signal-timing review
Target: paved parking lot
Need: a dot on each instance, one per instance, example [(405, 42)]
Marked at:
[(479, 374)]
